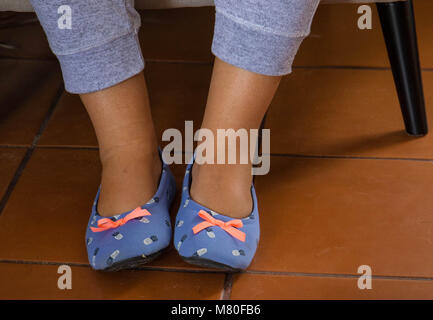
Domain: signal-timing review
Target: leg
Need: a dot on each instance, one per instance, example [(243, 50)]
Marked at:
[(237, 99), (255, 42), (398, 25), (101, 60), (254, 46), (127, 145)]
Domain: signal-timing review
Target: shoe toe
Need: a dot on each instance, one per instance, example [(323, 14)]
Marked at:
[(138, 238), (213, 245), (142, 237)]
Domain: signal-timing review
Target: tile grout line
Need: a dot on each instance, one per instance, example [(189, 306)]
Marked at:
[(352, 67), (15, 179), (53, 59), (47, 117), (228, 280), (335, 275), (307, 156), (13, 146), (29, 151), (152, 60), (227, 287), (210, 62), (287, 155), (67, 147), (86, 265), (342, 67)]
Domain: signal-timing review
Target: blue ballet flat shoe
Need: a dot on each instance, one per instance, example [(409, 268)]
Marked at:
[(209, 239), (135, 237)]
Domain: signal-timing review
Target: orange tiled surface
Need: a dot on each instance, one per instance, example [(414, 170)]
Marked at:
[(314, 287), (41, 282), (346, 188)]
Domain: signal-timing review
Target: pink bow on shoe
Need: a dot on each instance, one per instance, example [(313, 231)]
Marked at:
[(229, 227), (106, 224)]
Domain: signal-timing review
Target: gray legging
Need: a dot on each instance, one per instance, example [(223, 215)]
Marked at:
[(101, 48)]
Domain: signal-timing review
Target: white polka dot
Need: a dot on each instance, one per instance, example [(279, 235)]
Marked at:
[(235, 253), (144, 220), (211, 234), (147, 241), (201, 251), (115, 254), (180, 223)]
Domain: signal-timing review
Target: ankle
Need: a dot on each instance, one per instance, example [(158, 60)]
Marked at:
[(130, 178)]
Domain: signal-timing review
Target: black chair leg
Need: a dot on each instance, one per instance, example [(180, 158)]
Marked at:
[(398, 26)]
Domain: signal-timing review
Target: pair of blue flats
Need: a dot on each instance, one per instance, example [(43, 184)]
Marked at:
[(201, 236)]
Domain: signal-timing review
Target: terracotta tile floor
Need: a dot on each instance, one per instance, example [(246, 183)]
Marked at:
[(346, 188)]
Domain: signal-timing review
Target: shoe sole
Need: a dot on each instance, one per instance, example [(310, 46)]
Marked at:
[(133, 263), (206, 263)]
